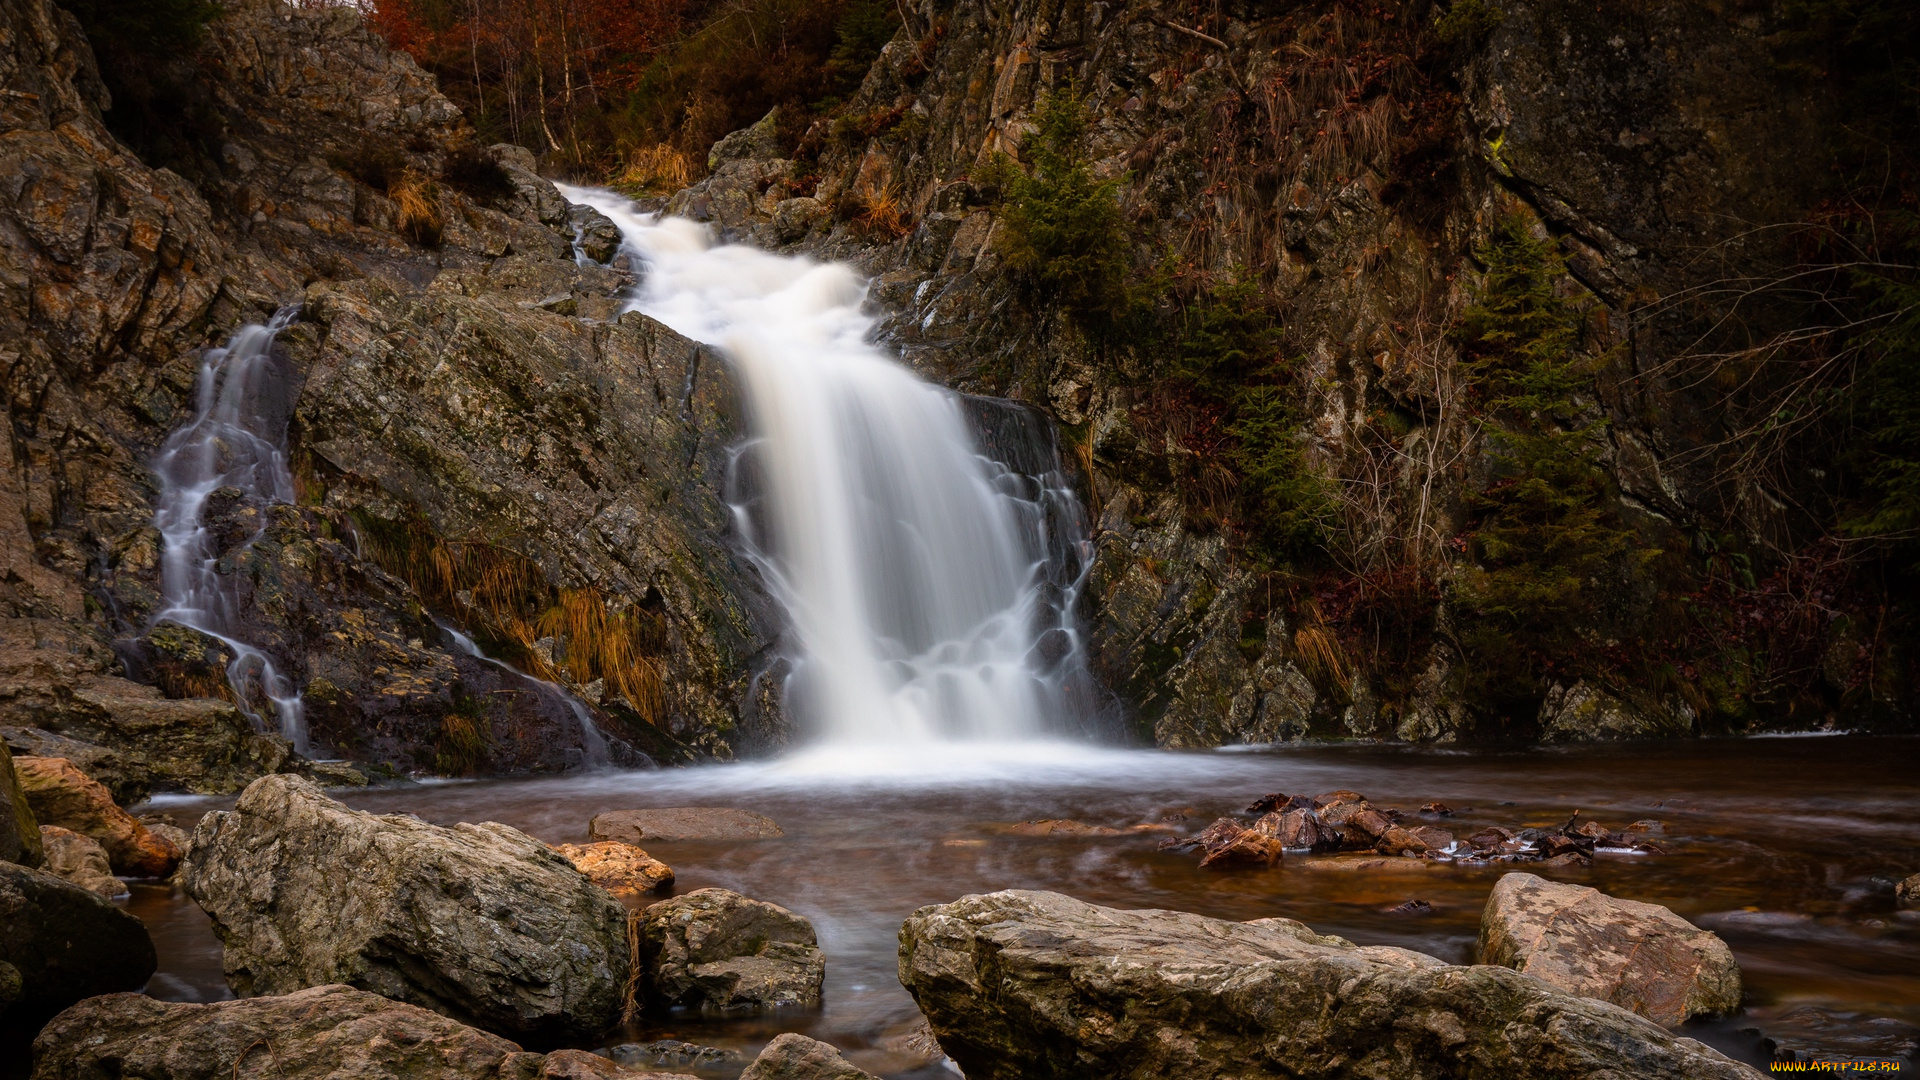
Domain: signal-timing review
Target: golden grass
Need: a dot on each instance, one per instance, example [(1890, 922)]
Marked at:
[(655, 170), (1321, 654), (882, 218), (507, 594), (419, 202), (464, 740)]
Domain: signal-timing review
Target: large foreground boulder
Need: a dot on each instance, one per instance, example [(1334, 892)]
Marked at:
[(1641, 957), (62, 943), (322, 1033), (481, 922), (716, 950), (62, 795), (1023, 984)]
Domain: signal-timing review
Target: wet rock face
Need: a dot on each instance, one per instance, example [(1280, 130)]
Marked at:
[(716, 950), (481, 922), (1020, 984), (63, 943), (330, 1032), (1638, 956)]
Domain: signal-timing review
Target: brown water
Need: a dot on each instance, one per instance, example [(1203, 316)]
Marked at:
[(1789, 848)]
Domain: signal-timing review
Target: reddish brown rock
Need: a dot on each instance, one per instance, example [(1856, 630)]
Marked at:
[(1907, 893), (1416, 841), (622, 869), (683, 823), (62, 795), (1299, 830), (1230, 844), (1638, 956)]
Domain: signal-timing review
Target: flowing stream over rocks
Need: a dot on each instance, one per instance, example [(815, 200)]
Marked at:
[(927, 586), (237, 440), (1787, 848)]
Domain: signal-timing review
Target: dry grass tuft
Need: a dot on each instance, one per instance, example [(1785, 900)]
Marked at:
[(655, 170), (621, 647), (419, 201), (882, 218)]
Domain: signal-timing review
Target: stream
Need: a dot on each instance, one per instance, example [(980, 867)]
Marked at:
[(1786, 847)]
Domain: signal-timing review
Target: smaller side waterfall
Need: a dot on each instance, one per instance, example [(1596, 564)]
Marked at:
[(237, 439), (593, 743)]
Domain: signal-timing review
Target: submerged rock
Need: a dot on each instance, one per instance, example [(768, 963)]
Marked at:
[(683, 823), (714, 949), (796, 1057), (81, 860), (674, 1053), (1019, 984), (1059, 827), (64, 943), (481, 922), (321, 1033), (1638, 956), (62, 795), (622, 869)]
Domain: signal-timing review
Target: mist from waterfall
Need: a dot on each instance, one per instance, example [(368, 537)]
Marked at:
[(928, 588), (237, 439)]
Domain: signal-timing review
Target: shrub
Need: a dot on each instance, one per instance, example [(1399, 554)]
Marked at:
[(1547, 533), (1063, 229)]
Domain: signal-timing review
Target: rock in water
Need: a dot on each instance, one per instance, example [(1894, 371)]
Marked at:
[(796, 1057), (322, 1033), (1907, 893), (81, 860), (19, 832), (63, 795), (715, 949), (1021, 984), (621, 869), (683, 823), (481, 922), (65, 943), (1638, 956)]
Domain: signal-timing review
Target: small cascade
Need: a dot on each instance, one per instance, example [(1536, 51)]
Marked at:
[(237, 439), (591, 740), (928, 582)]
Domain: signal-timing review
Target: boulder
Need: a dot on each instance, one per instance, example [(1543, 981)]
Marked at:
[(480, 922), (683, 823), (796, 1057), (62, 795), (716, 950), (19, 832), (321, 1033), (1415, 841), (125, 777), (621, 869), (1021, 984), (1298, 830), (1907, 893), (1638, 956), (81, 860), (65, 943)]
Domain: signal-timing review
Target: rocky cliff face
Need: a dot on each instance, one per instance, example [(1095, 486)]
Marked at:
[(456, 381), (1354, 163)]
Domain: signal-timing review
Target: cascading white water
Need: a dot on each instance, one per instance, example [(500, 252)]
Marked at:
[(592, 743), (914, 570), (237, 439)]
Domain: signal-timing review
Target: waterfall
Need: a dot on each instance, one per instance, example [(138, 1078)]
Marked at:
[(593, 744), (921, 578), (237, 439)]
